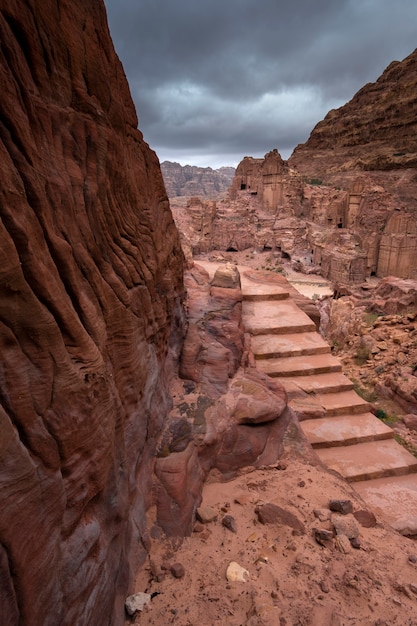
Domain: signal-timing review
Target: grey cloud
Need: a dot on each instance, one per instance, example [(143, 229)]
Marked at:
[(236, 77)]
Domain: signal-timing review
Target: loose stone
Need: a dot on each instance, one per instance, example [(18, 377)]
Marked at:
[(237, 573), (341, 506), (229, 522), (136, 602)]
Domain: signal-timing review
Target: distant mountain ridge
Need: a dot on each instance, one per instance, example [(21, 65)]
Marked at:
[(190, 180)]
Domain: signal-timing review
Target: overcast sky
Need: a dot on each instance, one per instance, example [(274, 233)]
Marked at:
[(215, 80)]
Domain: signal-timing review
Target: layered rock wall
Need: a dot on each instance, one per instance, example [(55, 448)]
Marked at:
[(190, 180), (90, 312)]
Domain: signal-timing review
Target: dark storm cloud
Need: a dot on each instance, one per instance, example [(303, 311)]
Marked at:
[(213, 81)]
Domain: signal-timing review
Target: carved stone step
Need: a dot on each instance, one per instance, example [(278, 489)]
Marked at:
[(394, 499), (345, 430), (291, 344), (272, 318), (368, 461), (306, 365), (342, 403), (332, 382)]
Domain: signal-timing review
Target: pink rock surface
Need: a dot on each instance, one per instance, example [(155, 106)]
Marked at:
[(91, 282)]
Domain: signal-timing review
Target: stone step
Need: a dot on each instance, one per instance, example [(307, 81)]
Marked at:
[(292, 344), (332, 382), (345, 430), (394, 499), (272, 318), (342, 403), (256, 292), (368, 461), (307, 365)]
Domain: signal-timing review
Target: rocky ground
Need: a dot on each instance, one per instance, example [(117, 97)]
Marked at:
[(298, 564)]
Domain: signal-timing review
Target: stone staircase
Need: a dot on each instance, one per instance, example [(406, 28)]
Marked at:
[(336, 421)]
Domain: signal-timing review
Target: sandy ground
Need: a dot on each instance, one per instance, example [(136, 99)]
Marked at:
[(292, 580)]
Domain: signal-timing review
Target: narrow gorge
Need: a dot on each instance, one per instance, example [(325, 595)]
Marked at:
[(135, 416)]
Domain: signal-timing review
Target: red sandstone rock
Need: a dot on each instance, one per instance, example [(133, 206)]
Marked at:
[(234, 416), (91, 282), (270, 513)]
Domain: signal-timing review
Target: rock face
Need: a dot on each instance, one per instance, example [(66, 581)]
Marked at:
[(344, 203), (376, 130), (368, 150), (190, 180), (226, 414), (90, 312)]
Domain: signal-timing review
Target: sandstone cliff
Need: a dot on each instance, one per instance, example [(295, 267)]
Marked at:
[(190, 180), (376, 130), (344, 205), (90, 303)]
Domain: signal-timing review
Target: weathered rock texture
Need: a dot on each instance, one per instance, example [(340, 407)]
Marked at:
[(90, 303), (376, 130), (368, 149), (226, 414), (190, 180), (344, 205)]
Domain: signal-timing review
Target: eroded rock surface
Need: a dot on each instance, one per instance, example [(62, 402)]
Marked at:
[(226, 414), (90, 303), (190, 180), (343, 205)]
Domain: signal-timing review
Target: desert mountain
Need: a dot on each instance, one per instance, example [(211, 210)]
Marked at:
[(190, 180), (376, 130)]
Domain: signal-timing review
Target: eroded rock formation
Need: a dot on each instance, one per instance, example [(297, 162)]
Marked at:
[(90, 312), (344, 203), (226, 414), (190, 180)]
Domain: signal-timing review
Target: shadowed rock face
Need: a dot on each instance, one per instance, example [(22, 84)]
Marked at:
[(376, 130), (90, 302)]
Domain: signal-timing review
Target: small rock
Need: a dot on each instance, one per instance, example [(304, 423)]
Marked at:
[(342, 544), (301, 483), (273, 514), (323, 537), (136, 602), (229, 522), (324, 586), (262, 558), (198, 527), (236, 573), (341, 506), (401, 358), (355, 543), (412, 558), (226, 276), (323, 515), (177, 570), (345, 525), (206, 514), (252, 537), (365, 518)]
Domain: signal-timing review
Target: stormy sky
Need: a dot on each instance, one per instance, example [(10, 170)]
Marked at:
[(215, 80)]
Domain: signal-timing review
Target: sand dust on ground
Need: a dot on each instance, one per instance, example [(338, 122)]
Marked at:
[(291, 579)]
